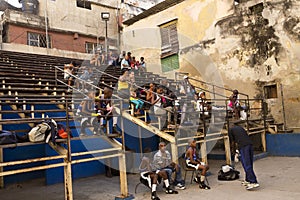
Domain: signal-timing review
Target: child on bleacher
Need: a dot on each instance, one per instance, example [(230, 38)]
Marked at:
[(135, 100)]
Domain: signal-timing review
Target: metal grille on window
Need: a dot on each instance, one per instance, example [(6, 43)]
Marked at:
[(38, 40), (169, 40)]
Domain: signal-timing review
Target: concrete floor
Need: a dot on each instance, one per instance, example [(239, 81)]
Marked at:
[(279, 178)]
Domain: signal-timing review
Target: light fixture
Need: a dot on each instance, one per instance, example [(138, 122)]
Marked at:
[(105, 16)]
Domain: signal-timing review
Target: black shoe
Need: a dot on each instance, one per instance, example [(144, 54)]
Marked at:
[(196, 179), (154, 196), (202, 185), (170, 191)]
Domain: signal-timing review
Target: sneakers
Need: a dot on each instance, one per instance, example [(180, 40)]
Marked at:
[(196, 179), (180, 186), (203, 186), (154, 196), (170, 191), (245, 183), (252, 186)]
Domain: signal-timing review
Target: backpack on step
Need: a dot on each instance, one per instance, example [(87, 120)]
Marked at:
[(8, 137), (228, 173), (38, 133)]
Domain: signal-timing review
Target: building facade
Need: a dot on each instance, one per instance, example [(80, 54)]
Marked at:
[(252, 46), (70, 26)]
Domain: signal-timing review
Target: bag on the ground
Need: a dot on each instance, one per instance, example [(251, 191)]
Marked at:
[(38, 133), (228, 173), (8, 137)]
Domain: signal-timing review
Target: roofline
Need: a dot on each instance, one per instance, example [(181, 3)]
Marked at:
[(153, 10)]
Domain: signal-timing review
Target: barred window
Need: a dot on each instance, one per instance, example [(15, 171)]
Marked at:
[(38, 40), (92, 47), (169, 39)]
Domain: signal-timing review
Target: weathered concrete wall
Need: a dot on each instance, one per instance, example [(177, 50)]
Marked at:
[(247, 46), (195, 23), (265, 50), (65, 15)]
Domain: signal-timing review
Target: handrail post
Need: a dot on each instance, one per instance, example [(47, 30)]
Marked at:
[(55, 76), (214, 91), (68, 160)]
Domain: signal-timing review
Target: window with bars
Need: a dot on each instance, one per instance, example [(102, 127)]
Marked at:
[(38, 40), (91, 47), (169, 39), (169, 46)]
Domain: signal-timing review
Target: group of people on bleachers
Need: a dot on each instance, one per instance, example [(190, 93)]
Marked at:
[(161, 99), (130, 63)]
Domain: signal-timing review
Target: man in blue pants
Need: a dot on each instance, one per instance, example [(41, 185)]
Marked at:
[(239, 136)]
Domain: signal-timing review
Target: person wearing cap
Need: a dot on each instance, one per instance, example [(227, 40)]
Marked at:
[(239, 138)]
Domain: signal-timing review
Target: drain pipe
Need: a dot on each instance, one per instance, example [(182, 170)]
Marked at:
[(283, 109)]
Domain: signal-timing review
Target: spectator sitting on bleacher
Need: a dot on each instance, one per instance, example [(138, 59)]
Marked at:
[(142, 65), (133, 63), (87, 111), (85, 76), (125, 65), (236, 107), (95, 60), (151, 178), (150, 92), (136, 101), (202, 104), (158, 100), (121, 57), (105, 108), (123, 85)]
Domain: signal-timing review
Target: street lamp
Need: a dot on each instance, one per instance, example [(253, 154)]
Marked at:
[(105, 17)]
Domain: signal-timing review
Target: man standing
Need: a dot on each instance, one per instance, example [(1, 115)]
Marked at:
[(239, 136), (162, 160)]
